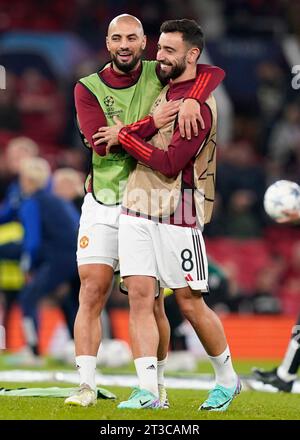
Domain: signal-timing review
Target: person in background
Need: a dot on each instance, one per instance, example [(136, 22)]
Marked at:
[(49, 245), (17, 150), (284, 376), (67, 183)]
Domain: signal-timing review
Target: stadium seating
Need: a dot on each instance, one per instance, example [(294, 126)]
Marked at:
[(248, 256)]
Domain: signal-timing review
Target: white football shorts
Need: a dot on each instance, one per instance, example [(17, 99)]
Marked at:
[(174, 255), (98, 233)]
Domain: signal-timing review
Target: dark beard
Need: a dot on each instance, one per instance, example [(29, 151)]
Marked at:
[(127, 67), (175, 72)]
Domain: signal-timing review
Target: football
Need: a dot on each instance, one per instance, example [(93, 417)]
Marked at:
[(281, 196)]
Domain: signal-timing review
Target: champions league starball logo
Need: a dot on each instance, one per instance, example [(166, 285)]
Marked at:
[(110, 111), (109, 101)]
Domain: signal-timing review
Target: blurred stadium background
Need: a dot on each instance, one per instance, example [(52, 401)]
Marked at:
[(46, 46)]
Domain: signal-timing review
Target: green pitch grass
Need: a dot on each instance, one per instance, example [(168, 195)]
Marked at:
[(203, 367), (249, 405)]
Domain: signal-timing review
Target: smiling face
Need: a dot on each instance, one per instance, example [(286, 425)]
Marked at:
[(125, 42), (175, 57)]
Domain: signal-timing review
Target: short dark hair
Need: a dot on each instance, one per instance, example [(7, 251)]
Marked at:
[(191, 31)]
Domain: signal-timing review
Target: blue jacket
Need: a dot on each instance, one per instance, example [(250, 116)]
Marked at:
[(10, 205), (9, 208), (50, 227)]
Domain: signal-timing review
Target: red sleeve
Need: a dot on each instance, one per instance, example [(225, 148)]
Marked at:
[(209, 77), (144, 128), (90, 116), (175, 158)]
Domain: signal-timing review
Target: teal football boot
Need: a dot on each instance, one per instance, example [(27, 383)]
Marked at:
[(140, 399), (220, 397)]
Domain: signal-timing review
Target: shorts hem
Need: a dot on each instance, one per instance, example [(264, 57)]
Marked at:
[(109, 261), (203, 288), (132, 274)]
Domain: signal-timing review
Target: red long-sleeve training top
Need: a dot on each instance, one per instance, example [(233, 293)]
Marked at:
[(180, 154), (90, 113)]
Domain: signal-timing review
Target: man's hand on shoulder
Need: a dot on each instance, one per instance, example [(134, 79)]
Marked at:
[(188, 118)]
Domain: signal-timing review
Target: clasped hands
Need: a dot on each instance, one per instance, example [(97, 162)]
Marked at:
[(188, 113)]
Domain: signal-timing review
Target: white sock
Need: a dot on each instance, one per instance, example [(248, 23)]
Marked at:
[(225, 374), (161, 371), (146, 369), (86, 366), (283, 369)]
